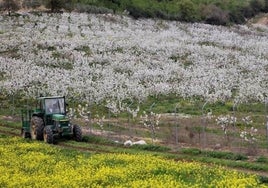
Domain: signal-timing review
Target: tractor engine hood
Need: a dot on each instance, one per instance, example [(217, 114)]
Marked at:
[(59, 117)]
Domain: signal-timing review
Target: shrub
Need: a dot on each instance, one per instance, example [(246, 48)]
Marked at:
[(215, 15), (263, 179), (236, 17), (225, 155), (55, 5), (191, 151), (92, 9), (214, 154), (151, 147), (136, 12), (188, 11), (265, 6), (247, 11), (31, 3), (9, 5), (161, 14), (262, 159), (256, 5)]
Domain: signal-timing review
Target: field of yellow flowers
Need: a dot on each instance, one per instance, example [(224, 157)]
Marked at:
[(25, 163)]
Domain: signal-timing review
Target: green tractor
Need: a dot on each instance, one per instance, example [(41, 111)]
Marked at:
[(49, 121)]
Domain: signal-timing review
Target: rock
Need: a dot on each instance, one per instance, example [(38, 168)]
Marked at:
[(217, 147), (128, 143), (140, 142)]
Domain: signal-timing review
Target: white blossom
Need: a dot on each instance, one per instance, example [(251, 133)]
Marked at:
[(249, 136), (92, 59)]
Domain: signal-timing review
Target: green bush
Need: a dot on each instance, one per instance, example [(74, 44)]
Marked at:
[(246, 12), (55, 5), (265, 6), (31, 3), (9, 5), (96, 140), (237, 18), (215, 15), (262, 159), (92, 9), (191, 151), (257, 5), (151, 147), (136, 12), (214, 154), (225, 155), (263, 179), (188, 11)]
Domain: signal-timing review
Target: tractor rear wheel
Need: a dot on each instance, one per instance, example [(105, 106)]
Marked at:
[(48, 135), (77, 133), (37, 127)]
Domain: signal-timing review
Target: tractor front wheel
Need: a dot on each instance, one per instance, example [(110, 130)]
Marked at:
[(37, 127), (77, 133), (48, 135)]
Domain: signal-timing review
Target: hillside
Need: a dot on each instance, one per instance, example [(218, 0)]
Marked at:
[(199, 88)]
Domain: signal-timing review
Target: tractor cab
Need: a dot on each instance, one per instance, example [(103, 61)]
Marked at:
[(51, 108), (53, 105)]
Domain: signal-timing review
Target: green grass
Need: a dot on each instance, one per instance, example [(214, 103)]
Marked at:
[(214, 154), (97, 140), (172, 103), (10, 123), (234, 164), (157, 104), (151, 147), (262, 159)]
